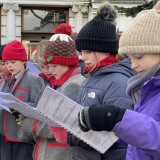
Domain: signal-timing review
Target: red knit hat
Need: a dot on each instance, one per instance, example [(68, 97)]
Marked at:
[(61, 50), (14, 51)]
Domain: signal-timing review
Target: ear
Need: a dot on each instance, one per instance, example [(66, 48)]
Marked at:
[(24, 63)]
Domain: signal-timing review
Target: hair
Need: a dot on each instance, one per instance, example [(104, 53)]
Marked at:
[(1, 50), (40, 50)]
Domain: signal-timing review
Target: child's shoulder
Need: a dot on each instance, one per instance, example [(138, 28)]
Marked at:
[(30, 75)]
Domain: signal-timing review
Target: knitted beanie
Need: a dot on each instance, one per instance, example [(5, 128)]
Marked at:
[(61, 50), (143, 35), (99, 34), (14, 51)]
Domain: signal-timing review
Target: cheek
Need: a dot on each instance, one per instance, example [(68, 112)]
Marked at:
[(7, 66), (4, 68)]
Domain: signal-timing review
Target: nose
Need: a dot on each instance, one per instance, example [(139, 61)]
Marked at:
[(134, 64), (46, 70), (9, 64), (83, 56), (51, 69)]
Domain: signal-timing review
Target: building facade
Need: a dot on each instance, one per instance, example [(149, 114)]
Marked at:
[(30, 21)]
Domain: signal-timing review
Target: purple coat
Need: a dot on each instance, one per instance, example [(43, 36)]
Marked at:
[(142, 130)]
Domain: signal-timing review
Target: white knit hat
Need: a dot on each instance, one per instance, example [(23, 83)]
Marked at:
[(143, 35)]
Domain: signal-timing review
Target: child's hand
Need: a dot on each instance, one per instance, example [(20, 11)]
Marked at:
[(60, 134), (18, 117), (100, 117)]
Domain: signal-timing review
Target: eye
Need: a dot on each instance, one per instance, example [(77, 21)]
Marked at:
[(54, 66), (6, 62), (80, 53), (3, 64), (86, 51), (139, 57), (41, 66), (12, 61)]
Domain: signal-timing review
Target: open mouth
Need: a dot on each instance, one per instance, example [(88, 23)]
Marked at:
[(48, 75), (11, 70)]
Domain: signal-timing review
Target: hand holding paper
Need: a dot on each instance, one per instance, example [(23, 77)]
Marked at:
[(60, 134)]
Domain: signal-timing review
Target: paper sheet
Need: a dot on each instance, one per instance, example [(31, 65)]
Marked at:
[(54, 108), (8, 102), (64, 111)]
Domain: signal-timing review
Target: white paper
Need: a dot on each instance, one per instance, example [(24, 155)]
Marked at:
[(54, 108), (8, 102), (64, 112)]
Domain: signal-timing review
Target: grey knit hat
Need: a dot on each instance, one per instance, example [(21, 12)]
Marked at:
[(143, 35)]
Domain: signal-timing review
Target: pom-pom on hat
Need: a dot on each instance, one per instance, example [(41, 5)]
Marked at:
[(63, 28), (143, 35), (99, 34), (14, 51), (61, 50)]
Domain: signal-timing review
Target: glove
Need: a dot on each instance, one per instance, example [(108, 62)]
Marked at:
[(60, 134), (18, 117), (100, 117)]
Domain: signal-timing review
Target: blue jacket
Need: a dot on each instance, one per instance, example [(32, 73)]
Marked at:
[(106, 85), (142, 131)]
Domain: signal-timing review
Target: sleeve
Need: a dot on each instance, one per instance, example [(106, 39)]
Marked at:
[(74, 141), (36, 128), (70, 90), (26, 137), (36, 89), (141, 131)]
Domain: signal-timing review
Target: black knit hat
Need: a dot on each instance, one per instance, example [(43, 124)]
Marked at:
[(98, 35)]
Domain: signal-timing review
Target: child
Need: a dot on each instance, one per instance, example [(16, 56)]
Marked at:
[(3, 68), (139, 128), (60, 56), (25, 86), (107, 79), (45, 73), (3, 71)]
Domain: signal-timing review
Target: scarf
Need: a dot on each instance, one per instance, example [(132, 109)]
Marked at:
[(59, 82), (44, 76), (135, 83), (48, 79), (105, 62)]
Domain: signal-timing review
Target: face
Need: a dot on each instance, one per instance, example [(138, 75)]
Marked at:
[(15, 66), (143, 62), (88, 57), (57, 70), (44, 69), (91, 58), (3, 68)]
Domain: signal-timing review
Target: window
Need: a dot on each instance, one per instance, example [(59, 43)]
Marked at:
[(42, 20), (38, 23)]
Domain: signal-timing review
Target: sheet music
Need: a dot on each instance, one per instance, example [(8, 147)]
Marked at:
[(64, 111), (55, 108), (8, 102)]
